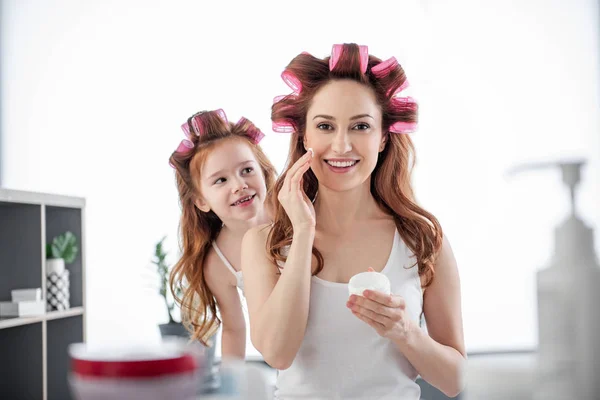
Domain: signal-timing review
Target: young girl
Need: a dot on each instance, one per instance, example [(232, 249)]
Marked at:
[(344, 205), (222, 178)]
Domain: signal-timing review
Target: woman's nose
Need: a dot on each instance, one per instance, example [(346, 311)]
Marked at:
[(341, 143)]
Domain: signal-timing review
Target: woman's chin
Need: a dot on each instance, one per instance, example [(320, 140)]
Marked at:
[(343, 185)]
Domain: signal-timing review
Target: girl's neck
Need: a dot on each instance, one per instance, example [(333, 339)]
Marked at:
[(238, 228)]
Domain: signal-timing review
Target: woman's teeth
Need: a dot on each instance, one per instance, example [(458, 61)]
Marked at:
[(341, 164)]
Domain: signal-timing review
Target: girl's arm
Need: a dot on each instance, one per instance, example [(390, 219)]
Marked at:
[(277, 304), (218, 279)]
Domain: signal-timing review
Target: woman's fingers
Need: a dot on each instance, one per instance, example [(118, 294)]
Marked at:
[(296, 179), (369, 308), (294, 169)]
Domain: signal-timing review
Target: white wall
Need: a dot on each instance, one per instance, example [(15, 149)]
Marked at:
[(509, 82), (93, 94)]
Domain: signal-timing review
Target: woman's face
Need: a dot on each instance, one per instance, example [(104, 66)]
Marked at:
[(343, 127)]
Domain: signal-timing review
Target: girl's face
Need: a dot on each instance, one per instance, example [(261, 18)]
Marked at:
[(343, 127), (232, 183)]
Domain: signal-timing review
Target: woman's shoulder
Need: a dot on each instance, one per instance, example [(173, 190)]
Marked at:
[(254, 245), (258, 233)]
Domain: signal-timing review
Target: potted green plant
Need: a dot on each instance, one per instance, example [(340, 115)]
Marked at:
[(60, 251), (173, 327)]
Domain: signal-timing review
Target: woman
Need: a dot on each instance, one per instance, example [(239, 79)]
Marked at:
[(343, 207)]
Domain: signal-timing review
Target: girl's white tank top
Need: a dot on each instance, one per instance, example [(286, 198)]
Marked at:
[(238, 274)]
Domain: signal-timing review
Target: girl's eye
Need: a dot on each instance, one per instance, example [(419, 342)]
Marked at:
[(247, 170), (220, 180), (324, 127), (361, 126)]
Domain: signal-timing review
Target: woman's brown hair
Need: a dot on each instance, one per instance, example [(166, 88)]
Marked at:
[(390, 180)]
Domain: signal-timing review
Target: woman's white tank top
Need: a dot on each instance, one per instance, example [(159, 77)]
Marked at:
[(341, 357)]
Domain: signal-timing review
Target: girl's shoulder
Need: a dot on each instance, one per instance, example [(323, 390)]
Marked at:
[(215, 271)]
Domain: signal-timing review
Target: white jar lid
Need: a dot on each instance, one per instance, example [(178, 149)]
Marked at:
[(369, 281)]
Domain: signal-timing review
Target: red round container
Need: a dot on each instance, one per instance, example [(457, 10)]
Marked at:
[(159, 372), (133, 369)]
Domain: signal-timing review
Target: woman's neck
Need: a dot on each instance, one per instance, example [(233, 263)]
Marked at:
[(337, 212)]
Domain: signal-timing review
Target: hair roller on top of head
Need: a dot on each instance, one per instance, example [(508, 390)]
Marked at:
[(222, 114), (196, 127), (364, 58), (252, 132), (336, 53)]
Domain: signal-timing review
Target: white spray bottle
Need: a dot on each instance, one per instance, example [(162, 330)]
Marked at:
[(568, 293)]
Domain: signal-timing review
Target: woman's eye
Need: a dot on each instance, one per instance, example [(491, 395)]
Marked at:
[(324, 127), (361, 126), (247, 170)]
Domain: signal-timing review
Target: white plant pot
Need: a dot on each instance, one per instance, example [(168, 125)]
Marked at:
[(56, 265), (57, 285)]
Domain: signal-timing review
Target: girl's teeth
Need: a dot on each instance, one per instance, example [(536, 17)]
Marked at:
[(245, 199)]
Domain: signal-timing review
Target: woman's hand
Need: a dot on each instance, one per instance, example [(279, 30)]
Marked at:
[(385, 313), (296, 204)]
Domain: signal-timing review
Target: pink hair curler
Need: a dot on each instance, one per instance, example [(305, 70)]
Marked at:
[(382, 69), (403, 127), (283, 127), (291, 80), (253, 132), (336, 53)]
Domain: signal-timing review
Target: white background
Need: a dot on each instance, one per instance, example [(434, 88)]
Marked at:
[(93, 94)]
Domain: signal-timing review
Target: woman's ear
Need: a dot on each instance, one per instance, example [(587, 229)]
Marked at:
[(384, 139)]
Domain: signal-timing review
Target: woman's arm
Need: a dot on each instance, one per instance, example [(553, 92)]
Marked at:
[(440, 357), (277, 304), (233, 337)]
